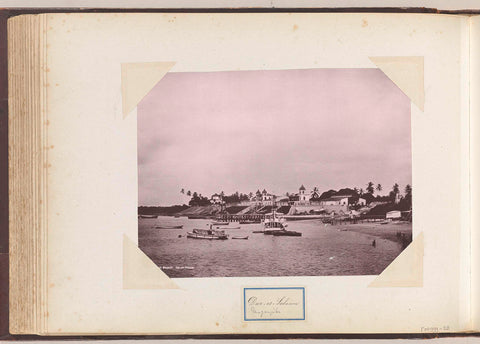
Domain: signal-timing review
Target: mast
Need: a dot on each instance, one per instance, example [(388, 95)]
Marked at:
[(274, 205)]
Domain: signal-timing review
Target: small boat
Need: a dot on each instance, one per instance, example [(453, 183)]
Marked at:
[(284, 232), (240, 237), (257, 231), (220, 223), (209, 234), (230, 227), (273, 231), (147, 216), (169, 227)]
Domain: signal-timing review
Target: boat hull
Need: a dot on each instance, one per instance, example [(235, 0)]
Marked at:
[(272, 231), (147, 216), (287, 233), (206, 236)]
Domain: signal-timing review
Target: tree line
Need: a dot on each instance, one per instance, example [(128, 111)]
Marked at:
[(197, 199)]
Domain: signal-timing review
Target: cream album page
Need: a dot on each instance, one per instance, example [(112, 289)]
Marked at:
[(257, 173), (475, 167)]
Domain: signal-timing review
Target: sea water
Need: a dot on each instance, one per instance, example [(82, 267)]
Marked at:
[(322, 250)]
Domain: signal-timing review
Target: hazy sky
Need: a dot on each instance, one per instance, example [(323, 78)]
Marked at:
[(248, 130)]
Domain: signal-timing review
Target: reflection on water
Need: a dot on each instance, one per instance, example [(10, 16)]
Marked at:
[(320, 251)]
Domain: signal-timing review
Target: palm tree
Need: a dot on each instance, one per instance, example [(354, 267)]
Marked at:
[(189, 193), (408, 196), (360, 192), (396, 188), (408, 190), (182, 191), (379, 187), (370, 187)]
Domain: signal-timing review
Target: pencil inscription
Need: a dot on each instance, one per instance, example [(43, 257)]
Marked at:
[(274, 304)]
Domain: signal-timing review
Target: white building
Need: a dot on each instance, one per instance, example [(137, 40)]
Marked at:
[(335, 200), (394, 214), (303, 197), (266, 197)]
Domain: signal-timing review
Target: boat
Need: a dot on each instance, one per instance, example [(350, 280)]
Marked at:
[(273, 223), (220, 223), (230, 227), (169, 227), (147, 216), (276, 225), (258, 231), (286, 233), (240, 237), (210, 234), (248, 222)]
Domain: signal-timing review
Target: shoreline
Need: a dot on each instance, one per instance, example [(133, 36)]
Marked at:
[(398, 232)]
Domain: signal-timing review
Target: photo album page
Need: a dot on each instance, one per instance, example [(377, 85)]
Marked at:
[(218, 173)]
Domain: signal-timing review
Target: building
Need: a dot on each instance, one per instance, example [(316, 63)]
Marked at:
[(292, 199), (282, 201), (394, 214), (267, 197), (261, 198), (336, 200), (216, 199), (303, 197)]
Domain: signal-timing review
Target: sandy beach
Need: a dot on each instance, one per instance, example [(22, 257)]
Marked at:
[(399, 232)]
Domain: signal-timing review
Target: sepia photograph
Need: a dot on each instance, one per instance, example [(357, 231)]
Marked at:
[(304, 172)]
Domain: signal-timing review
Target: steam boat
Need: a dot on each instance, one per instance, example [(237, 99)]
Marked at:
[(276, 225)]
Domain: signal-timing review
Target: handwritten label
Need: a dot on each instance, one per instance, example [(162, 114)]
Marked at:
[(287, 303)]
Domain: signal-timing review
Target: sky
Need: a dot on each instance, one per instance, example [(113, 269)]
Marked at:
[(276, 130)]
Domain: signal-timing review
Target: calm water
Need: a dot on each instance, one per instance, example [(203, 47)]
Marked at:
[(320, 251)]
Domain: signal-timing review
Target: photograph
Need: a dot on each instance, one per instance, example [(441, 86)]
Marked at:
[(274, 173)]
